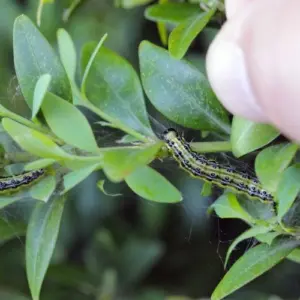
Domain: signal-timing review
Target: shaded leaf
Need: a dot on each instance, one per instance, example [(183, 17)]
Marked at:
[(173, 13), (40, 241), (180, 91), (250, 233), (68, 123), (10, 229), (247, 136), (33, 57), (254, 263), (271, 162), (288, 189), (150, 185)]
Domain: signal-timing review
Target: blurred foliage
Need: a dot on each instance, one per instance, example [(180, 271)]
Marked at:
[(122, 247)]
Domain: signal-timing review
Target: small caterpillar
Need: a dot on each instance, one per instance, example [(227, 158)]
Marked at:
[(199, 166), (12, 184)]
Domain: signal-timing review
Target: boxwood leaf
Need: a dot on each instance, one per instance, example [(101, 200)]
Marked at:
[(180, 91)]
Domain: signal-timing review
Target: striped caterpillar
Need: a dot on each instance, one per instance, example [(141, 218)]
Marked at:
[(210, 171), (12, 184)]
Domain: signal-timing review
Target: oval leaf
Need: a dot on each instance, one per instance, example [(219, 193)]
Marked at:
[(73, 178), (254, 263), (113, 86), (33, 57), (33, 141), (271, 162), (288, 189), (67, 53), (43, 189), (149, 184), (39, 164), (40, 241), (120, 162), (295, 256), (68, 123), (184, 34), (228, 207), (173, 13), (247, 136), (180, 91), (40, 90)]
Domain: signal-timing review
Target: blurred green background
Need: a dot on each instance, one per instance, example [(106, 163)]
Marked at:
[(124, 247)]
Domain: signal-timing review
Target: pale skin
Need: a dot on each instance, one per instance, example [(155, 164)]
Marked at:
[(254, 63)]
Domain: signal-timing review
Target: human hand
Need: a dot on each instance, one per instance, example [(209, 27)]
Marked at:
[(253, 64)]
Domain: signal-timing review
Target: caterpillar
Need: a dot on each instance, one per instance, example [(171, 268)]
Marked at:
[(12, 184), (199, 166)]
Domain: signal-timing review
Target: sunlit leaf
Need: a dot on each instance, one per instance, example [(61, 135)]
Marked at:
[(40, 90), (247, 136)]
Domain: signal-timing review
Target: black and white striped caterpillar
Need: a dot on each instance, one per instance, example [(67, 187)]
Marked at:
[(12, 184), (199, 166)]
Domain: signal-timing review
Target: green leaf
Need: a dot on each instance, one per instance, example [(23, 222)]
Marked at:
[(254, 263), (180, 91), (252, 232), (247, 136), (184, 34), (228, 207), (39, 164), (43, 189), (267, 238), (206, 189), (73, 178), (90, 62), (67, 53), (120, 162), (100, 185), (271, 162), (33, 141), (113, 86), (129, 4), (152, 186), (68, 123), (294, 256), (173, 13), (40, 91), (10, 229), (40, 241), (33, 57), (288, 189)]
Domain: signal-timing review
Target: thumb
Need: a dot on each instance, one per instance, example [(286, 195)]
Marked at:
[(253, 64)]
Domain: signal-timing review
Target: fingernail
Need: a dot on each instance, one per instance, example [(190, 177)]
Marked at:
[(227, 72)]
